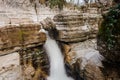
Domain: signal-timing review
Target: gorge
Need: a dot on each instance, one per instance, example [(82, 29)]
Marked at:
[(40, 43)]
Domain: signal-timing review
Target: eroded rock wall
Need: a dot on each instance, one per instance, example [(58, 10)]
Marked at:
[(15, 11), (77, 26), (77, 32), (23, 11), (18, 38), (19, 31), (14, 37)]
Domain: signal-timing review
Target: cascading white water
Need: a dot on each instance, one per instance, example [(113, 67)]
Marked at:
[(80, 2), (57, 69)]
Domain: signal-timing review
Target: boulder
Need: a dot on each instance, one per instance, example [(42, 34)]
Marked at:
[(89, 58)]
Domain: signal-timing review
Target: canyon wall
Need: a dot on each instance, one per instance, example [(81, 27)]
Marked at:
[(23, 11), (19, 31), (77, 33), (14, 40), (75, 30)]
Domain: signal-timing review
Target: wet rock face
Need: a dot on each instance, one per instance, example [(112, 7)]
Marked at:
[(13, 37), (74, 27)]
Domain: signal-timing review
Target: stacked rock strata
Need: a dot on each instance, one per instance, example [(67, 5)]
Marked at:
[(77, 32), (14, 37), (18, 30), (75, 27)]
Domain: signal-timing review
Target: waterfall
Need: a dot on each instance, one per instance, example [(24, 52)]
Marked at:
[(80, 2), (57, 69)]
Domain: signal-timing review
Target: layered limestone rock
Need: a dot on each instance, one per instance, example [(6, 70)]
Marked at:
[(27, 40), (23, 11), (84, 50), (19, 31), (77, 31), (14, 37), (76, 26), (15, 12)]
